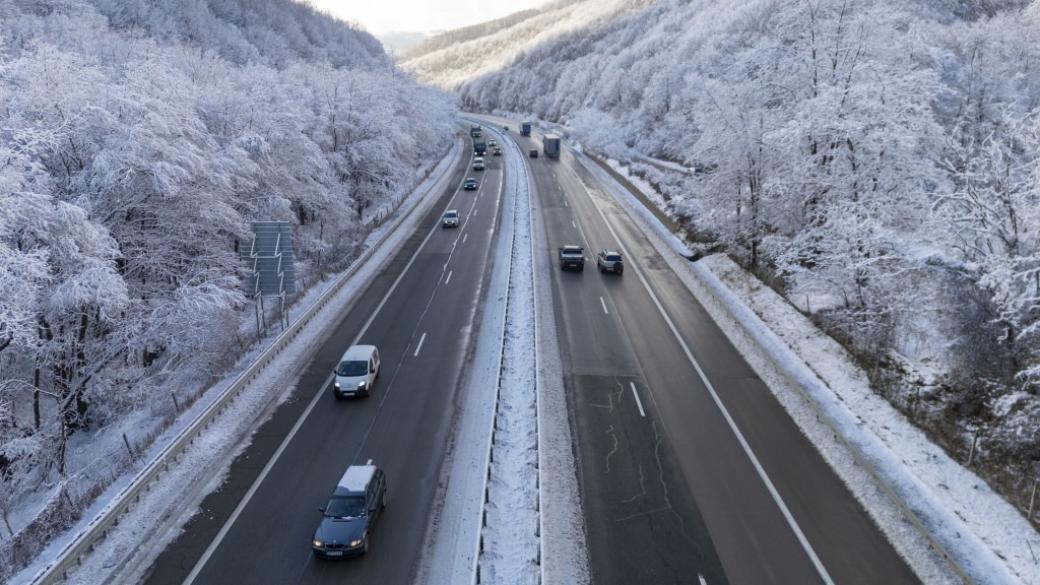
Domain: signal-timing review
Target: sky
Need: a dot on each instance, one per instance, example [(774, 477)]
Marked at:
[(383, 16)]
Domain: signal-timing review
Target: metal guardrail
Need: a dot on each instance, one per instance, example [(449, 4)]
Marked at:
[(98, 528), (485, 490)]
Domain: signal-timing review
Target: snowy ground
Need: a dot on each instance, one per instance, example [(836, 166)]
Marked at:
[(510, 537), (156, 519), (890, 466)]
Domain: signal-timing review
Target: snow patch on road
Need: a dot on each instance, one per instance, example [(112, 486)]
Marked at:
[(831, 400)]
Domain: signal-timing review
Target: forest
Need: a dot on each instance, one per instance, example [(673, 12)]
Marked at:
[(138, 140), (876, 161)]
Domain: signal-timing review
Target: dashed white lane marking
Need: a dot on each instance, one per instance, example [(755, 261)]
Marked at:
[(464, 236), (642, 413), (370, 463), (448, 279), (604, 305), (475, 211), (702, 579), (574, 224), (565, 204), (419, 347)]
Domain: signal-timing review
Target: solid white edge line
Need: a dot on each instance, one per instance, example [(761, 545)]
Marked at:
[(718, 402), (639, 403), (604, 305), (418, 348), (201, 563)]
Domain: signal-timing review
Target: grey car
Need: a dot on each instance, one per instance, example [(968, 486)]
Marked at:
[(351, 512), (610, 261)]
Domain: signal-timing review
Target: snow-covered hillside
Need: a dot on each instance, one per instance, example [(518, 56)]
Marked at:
[(137, 142), (878, 161), (452, 58)]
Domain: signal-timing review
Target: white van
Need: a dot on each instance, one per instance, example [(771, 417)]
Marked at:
[(356, 372)]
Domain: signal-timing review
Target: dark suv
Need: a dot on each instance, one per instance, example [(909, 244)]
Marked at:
[(347, 519)]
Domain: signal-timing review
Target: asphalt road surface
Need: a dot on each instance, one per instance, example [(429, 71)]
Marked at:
[(669, 489), (419, 312)]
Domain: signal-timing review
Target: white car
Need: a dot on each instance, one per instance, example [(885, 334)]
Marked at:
[(478, 163), (450, 218), (356, 372)]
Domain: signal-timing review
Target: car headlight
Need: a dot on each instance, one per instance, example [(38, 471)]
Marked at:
[(361, 385), (336, 385), (356, 542), (317, 543)]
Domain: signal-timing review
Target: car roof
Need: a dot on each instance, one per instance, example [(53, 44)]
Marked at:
[(356, 478), (451, 212), (610, 253), (468, 179), (358, 352), (572, 247)]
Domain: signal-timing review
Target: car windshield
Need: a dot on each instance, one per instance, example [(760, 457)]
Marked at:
[(572, 250), (354, 368), (613, 257), (451, 214), (345, 507)]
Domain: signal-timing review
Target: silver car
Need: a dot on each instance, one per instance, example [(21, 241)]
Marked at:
[(450, 219)]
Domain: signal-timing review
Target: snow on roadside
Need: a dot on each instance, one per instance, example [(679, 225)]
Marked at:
[(511, 546), (199, 471), (812, 375)]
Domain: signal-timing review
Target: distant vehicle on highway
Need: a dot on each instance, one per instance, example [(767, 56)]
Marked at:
[(470, 184), (525, 129), (474, 131), (450, 218), (478, 163), (533, 153), (551, 145), (572, 257), (497, 151), (610, 261), (479, 148), (351, 512), (505, 128), (492, 143), (357, 372)]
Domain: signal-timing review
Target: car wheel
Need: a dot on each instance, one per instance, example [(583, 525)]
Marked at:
[(386, 498), (581, 268), (364, 550)]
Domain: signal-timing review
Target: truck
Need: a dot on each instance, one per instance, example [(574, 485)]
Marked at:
[(475, 131), (525, 129), (572, 257), (551, 145), (479, 147)]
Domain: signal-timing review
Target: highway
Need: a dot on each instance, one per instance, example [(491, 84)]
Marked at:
[(690, 470), (257, 527)]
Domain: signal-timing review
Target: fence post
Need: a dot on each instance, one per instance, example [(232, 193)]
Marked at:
[(1032, 500), (974, 443)]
